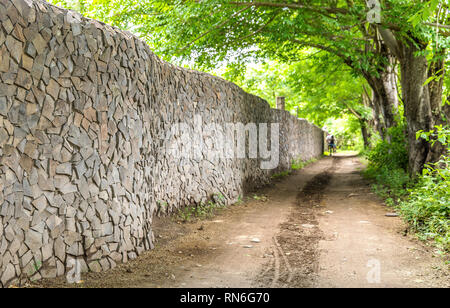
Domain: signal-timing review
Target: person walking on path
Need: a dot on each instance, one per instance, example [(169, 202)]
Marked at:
[(331, 140)]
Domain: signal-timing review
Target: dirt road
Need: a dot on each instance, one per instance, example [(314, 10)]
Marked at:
[(319, 227)]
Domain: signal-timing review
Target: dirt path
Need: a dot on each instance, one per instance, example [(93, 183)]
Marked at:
[(320, 227), (364, 248)]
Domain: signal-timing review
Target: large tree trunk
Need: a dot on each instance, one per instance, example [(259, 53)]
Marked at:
[(390, 90), (374, 103), (385, 94), (420, 99), (416, 98)]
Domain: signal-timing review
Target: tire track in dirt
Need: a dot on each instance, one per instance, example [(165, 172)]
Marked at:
[(296, 245)]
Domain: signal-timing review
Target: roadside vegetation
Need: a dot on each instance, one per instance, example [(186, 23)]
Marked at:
[(424, 202), (201, 211), (207, 210), (296, 164)]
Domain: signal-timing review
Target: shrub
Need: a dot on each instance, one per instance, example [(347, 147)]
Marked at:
[(427, 207), (388, 162), (391, 153), (202, 210), (424, 204)]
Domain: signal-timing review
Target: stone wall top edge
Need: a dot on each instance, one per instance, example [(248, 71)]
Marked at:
[(312, 124), (127, 35), (46, 7)]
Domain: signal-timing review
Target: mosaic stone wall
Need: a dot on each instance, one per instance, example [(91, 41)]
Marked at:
[(85, 111)]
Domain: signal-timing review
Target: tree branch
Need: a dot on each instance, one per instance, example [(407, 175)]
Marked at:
[(437, 25), (214, 28), (367, 93), (258, 30), (346, 59), (390, 41), (353, 111), (333, 10)]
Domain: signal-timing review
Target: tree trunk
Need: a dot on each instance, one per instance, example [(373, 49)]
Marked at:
[(420, 100), (436, 88), (365, 131), (416, 98), (378, 122), (385, 93), (389, 80), (371, 124)]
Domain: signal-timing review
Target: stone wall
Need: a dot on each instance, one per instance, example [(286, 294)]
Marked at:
[(85, 111)]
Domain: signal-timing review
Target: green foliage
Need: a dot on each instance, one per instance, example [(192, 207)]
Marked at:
[(125, 14), (427, 207), (388, 162), (262, 198), (327, 90), (266, 80), (347, 131), (239, 200), (202, 210), (439, 134), (391, 153), (424, 204), (298, 164), (391, 184), (205, 33), (316, 89), (281, 175)]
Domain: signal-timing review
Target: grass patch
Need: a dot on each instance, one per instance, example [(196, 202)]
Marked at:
[(281, 175), (202, 210), (260, 198), (298, 164)]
